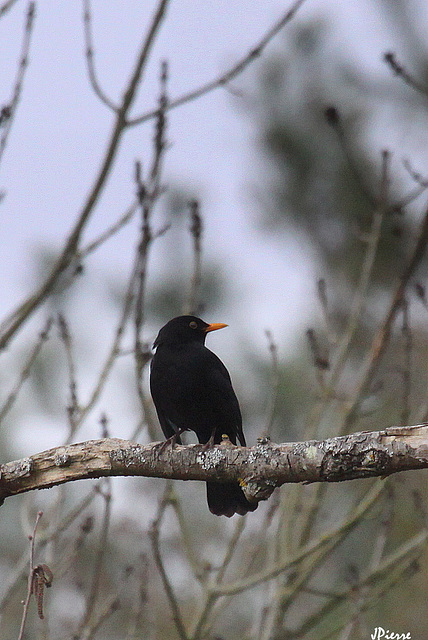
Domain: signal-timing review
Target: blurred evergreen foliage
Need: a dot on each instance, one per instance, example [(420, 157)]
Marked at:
[(316, 114)]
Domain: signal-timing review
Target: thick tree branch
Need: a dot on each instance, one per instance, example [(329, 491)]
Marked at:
[(259, 469)]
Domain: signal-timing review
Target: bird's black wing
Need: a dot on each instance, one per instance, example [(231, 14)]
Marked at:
[(224, 398), (162, 376)]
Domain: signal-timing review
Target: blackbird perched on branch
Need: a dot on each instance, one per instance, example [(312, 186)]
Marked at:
[(192, 390)]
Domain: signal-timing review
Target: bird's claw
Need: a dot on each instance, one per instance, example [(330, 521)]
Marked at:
[(162, 446)]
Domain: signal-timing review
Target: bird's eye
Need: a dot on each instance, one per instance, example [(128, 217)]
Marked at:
[(193, 325)]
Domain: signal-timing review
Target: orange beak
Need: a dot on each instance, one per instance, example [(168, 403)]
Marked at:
[(215, 326)]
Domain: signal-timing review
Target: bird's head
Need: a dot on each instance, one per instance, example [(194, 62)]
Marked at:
[(185, 329)]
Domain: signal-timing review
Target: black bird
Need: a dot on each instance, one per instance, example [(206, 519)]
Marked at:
[(192, 390)]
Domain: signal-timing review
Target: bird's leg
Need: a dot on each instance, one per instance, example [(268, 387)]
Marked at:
[(210, 443), (171, 441)]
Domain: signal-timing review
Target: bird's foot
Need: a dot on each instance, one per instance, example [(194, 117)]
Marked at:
[(210, 443), (170, 442)]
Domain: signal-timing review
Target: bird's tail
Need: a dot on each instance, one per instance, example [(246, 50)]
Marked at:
[(227, 498)]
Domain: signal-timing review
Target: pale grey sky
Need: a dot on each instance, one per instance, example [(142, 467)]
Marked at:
[(61, 129)]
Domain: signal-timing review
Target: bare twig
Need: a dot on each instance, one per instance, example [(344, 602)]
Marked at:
[(67, 559), (11, 325), (114, 349), (8, 112), (320, 358), (381, 340), (199, 571), (323, 299), (109, 606), (30, 577), (334, 119), (111, 231), (358, 302), (20, 566), (311, 508), (400, 71), (381, 539), (329, 539), (26, 370), (210, 600), (99, 559), (231, 548), (6, 6), (196, 229), (380, 579), (87, 24), (136, 619), (231, 73), (154, 534), (289, 586), (407, 363), (147, 195), (73, 406), (415, 175), (146, 203), (275, 380)]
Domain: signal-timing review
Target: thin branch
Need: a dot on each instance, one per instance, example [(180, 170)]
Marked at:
[(6, 6), (109, 606), (290, 586), (334, 119), (147, 195), (311, 508), (199, 571), (154, 533), (30, 577), (210, 609), (422, 185), (11, 325), (313, 547), (406, 370), (400, 71), (26, 370), (320, 357), (231, 548), (231, 73), (8, 112), (275, 381), (391, 568), (15, 577), (99, 559), (136, 619), (359, 298), (106, 235), (114, 349), (323, 300), (87, 24), (73, 406), (382, 337), (196, 229)]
